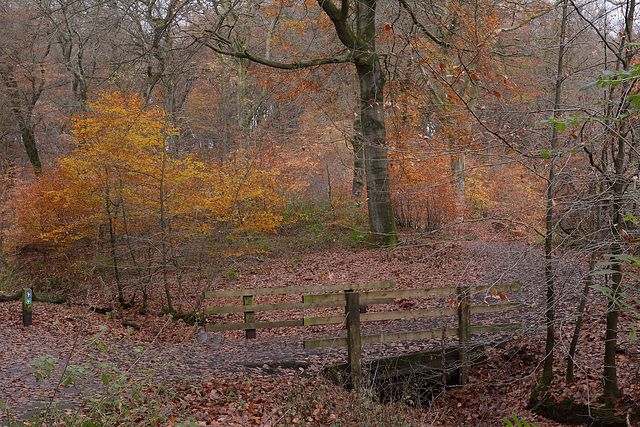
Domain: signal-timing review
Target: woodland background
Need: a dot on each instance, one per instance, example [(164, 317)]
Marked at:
[(153, 149)]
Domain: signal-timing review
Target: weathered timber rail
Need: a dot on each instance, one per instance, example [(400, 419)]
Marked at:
[(375, 293), (308, 302)]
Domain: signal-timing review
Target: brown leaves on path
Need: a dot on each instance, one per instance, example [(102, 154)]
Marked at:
[(223, 388)]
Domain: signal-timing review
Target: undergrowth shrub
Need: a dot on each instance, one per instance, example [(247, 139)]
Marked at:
[(113, 389), (311, 403)]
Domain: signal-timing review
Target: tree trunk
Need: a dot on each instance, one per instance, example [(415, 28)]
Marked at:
[(621, 159), (458, 166), (381, 220), (30, 146), (374, 134), (164, 234), (23, 117), (611, 391), (547, 372), (358, 160), (114, 255), (576, 332)]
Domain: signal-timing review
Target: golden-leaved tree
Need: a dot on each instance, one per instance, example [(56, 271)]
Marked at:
[(123, 188)]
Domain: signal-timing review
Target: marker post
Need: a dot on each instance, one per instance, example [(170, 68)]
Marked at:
[(27, 307)]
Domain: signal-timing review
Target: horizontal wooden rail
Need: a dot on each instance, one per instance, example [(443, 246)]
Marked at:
[(365, 317), (411, 335), (289, 306), (409, 314), (411, 293), (254, 325), (298, 290)]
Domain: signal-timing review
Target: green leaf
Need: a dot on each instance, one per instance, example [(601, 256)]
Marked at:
[(518, 423), (629, 217), (589, 85), (601, 272), (561, 127), (544, 154), (106, 378), (633, 335), (602, 289)]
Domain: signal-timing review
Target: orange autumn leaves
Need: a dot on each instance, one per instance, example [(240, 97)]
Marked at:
[(124, 174)]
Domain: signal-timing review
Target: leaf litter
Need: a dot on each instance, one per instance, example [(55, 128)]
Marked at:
[(272, 381)]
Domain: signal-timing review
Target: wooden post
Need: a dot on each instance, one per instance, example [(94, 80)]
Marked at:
[(249, 317), (27, 306), (354, 345), (464, 331)]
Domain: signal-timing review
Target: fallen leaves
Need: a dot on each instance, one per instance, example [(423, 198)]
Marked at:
[(270, 394)]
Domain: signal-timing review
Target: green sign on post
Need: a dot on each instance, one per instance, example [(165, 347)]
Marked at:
[(27, 307)]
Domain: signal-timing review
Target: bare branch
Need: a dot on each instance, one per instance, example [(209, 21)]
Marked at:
[(420, 26), (244, 54), (530, 18)]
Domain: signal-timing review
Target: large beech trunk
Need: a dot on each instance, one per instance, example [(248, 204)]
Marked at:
[(381, 220), (374, 135)]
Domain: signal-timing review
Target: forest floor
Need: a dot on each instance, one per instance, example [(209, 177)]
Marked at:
[(166, 372)]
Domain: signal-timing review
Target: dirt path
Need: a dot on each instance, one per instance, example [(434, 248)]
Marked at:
[(64, 332)]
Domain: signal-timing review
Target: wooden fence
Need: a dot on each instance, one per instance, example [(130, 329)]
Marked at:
[(308, 302), (371, 294)]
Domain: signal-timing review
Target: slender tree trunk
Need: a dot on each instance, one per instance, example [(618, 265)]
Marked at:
[(30, 146), (576, 332), (458, 166), (22, 105), (547, 372), (242, 122), (23, 117), (619, 147), (114, 254), (111, 215), (611, 391), (164, 234), (132, 254), (358, 160)]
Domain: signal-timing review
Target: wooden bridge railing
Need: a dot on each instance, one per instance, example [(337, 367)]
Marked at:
[(375, 293), (308, 302)]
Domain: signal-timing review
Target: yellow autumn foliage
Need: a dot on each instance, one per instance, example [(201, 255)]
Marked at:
[(124, 175)]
